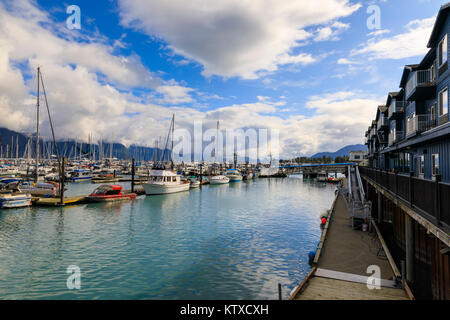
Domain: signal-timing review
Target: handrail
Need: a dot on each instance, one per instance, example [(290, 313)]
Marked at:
[(361, 189), (350, 182)]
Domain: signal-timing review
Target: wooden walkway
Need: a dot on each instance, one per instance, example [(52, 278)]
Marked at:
[(340, 266)]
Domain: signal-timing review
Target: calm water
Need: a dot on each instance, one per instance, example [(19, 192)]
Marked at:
[(235, 241)]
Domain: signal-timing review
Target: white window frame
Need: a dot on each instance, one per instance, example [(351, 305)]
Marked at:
[(442, 55), (440, 114)]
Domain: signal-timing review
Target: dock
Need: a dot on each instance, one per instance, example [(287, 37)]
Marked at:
[(344, 254), (57, 201)]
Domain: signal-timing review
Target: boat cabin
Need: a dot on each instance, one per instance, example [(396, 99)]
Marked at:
[(108, 190)]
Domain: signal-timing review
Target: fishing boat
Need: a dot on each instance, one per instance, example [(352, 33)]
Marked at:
[(107, 193), (219, 179), (163, 182), (233, 175)]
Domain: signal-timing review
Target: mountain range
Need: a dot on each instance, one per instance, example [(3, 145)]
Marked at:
[(345, 151)]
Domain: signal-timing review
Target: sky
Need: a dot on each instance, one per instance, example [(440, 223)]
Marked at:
[(313, 70)]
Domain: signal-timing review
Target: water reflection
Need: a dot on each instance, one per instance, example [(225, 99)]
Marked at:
[(234, 241)]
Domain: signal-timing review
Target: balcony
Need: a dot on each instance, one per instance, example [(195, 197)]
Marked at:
[(383, 123), (396, 136), (421, 85), (396, 110), (419, 123)]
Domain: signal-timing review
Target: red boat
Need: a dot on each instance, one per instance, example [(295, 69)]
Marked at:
[(110, 193)]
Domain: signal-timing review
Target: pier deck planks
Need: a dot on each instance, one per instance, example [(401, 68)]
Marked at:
[(346, 254)]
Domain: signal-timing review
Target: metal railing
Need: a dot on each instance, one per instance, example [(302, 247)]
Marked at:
[(383, 121), (419, 78), (420, 123), (429, 197), (396, 137), (396, 106)]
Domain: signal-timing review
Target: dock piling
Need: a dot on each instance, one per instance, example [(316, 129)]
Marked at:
[(132, 175), (61, 181)]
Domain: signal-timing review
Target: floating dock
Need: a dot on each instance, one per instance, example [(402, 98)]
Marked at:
[(340, 266), (57, 201)]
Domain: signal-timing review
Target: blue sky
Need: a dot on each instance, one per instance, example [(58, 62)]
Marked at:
[(314, 71)]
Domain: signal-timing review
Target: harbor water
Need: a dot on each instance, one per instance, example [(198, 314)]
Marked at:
[(235, 241)]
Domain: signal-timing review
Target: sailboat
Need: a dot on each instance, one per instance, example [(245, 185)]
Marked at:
[(162, 181), (218, 179)]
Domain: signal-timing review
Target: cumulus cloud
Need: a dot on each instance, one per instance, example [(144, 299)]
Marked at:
[(411, 43), (235, 37), (91, 90)]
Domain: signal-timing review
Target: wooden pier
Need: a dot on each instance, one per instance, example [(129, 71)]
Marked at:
[(340, 266)]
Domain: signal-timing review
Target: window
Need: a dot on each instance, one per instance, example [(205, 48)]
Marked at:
[(407, 160), (442, 51), (357, 157), (435, 163), (443, 102), (422, 164)]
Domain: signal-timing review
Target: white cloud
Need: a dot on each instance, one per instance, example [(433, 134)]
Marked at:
[(86, 94), (331, 32), (408, 44), (175, 94), (235, 37)]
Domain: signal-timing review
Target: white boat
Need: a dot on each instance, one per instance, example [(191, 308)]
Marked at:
[(164, 182), (322, 176), (194, 182), (14, 199), (45, 189), (233, 175), (248, 176), (220, 179)]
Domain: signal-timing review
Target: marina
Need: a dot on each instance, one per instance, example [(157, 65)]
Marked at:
[(232, 241)]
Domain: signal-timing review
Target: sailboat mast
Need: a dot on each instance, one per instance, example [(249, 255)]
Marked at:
[(37, 127), (171, 148)]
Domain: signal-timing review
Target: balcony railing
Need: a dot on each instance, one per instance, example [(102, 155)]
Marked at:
[(396, 137), (430, 198), (396, 107), (420, 123), (382, 122), (419, 78)]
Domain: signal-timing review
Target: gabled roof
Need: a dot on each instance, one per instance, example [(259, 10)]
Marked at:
[(442, 15), (382, 108), (406, 70), (390, 96)]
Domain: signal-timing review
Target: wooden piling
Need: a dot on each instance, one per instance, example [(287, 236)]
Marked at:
[(132, 175), (61, 181)]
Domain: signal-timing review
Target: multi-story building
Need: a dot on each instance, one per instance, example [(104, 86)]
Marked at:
[(408, 173)]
